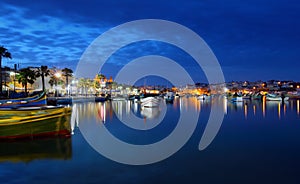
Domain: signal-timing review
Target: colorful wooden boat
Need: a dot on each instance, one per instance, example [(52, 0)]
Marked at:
[(37, 100), (28, 122)]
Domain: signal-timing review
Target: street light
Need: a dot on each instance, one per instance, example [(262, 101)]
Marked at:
[(13, 74), (57, 75)]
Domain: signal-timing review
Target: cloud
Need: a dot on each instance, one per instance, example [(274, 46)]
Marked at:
[(44, 39), (242, 34)]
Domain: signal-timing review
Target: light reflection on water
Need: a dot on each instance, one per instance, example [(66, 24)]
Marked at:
[(239, 151), (105, 111)]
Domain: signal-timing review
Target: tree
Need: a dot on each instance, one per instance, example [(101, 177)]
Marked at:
[(52, 81), (26, 75), (85, 85), (67, 73), (5, 54), (43, 72)]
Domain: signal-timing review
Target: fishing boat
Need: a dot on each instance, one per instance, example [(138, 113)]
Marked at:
[(237, 99), (246, 97), (257, 96), (150, 102), (28, 122), (274, 97), (169, 97), (203, 97), (37, 100)]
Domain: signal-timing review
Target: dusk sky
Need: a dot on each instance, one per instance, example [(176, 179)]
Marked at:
[(252, 39)]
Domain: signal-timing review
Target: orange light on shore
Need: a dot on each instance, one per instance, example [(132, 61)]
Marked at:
[(57, 75), (298, 86)]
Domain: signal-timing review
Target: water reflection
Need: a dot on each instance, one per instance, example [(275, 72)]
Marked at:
[(298, 107), (29, 150), (264, 106), (256, 108), (133, 115), (246, 110)]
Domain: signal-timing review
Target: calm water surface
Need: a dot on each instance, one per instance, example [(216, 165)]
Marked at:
[(258, 142)]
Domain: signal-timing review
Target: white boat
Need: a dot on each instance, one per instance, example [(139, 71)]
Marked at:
[(273, 97), (203, 97), (237, 99), (118, 98), (150, 102)]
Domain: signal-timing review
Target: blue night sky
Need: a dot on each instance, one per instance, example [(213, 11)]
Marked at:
[(252, 39)]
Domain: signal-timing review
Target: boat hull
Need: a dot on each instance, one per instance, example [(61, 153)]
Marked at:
[(37, 100), (276, 98), (149, 102), (35, 123), (237, 99)]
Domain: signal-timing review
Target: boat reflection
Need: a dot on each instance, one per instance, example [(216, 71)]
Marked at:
[(132, 112), (150, 113), (264, 108), (28, 150)]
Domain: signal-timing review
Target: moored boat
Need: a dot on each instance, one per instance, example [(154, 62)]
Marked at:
[(169, 97), (273, 97), (257, 96), (37, 100), (28, 122), (150, 102), (203, 97), (237, 99)]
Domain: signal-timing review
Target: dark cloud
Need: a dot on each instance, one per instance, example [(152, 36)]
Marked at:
[(253, 36)]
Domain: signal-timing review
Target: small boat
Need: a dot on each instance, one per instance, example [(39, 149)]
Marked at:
[(28, 122), (37, 100), (118, 98), (150, 102), (169, 97), (203, 97), (257, 96), (101, 98), (237, 99), (246, 97), (274, 97)]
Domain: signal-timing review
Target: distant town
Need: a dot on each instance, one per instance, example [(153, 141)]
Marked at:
[(61, 82)]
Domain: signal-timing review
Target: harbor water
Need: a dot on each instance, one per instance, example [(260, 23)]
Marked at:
[(256, 142)]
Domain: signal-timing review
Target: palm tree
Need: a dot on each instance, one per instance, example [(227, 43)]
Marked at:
[(43, 72), (5, 54), (26, 75), (52, 81), (85, 85), (67, 73)]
